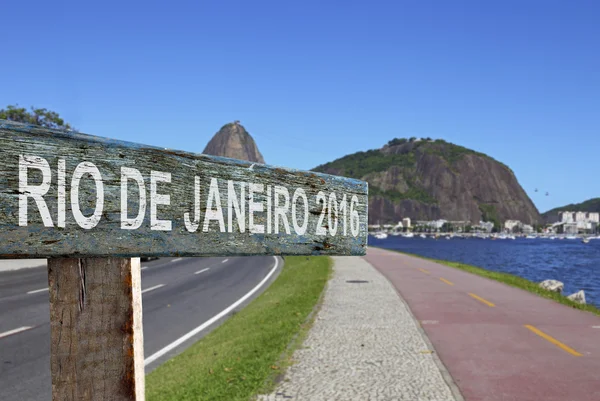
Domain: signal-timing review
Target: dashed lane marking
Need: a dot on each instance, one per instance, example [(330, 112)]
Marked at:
[(14, 331), (446, 281), (177, 260), (225, 261), (477, 297), (202, 271), (40, 290), (153, 288), (424, 271), (553, 340)]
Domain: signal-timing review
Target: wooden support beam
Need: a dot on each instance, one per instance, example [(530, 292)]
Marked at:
[(96, 329)]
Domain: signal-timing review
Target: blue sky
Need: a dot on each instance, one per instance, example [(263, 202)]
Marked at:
[(315, 80)]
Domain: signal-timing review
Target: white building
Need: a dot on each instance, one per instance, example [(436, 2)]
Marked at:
[(511, 224), (594, 217), (570, 228), (485, 226), (527, 229), (580, 216), (567, 217), (406, 222), (439, 223)]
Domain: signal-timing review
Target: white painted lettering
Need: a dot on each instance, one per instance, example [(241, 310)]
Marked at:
[(269, 210), (321, 199), (214, 214), (82, 169), (332, 207), (62, 195), (255, 207), (190, 225), (127, 223), (354, 218), (158, 199), (37, 192), (239, 207), (281, 211), (300, 229), (344, 211)]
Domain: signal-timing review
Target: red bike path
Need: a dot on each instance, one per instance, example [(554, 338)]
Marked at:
[(499, 343)]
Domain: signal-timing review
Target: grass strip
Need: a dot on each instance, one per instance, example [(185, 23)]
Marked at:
[(243, 357), (513, 281)]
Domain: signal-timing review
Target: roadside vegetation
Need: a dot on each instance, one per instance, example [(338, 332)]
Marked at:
[(245, 355), (515, 281)]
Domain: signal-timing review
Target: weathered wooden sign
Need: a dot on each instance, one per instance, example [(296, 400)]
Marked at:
[(75, 195)]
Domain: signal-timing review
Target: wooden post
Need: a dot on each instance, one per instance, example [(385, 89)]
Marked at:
[(96, 329)]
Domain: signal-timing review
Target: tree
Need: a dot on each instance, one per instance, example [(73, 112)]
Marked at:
[(42, 117)]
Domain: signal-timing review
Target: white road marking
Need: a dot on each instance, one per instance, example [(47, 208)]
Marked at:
[(34, 291), (595, 327), (202, 271), (145, 267), (210, 321), (152, 288), (177, 260), (8, 333), (225, 261)]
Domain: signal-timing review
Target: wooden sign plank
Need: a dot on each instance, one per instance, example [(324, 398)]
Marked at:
[(66, 194)]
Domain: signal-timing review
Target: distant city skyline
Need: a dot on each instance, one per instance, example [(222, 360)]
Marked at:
[(312, 82)]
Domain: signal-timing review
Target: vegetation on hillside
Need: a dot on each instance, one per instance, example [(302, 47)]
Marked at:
[(490, 214), (590, 205), (38, 116), (361, 164)]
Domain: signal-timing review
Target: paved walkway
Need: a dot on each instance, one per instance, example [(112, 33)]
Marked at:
[(365, 345), (498, 342)]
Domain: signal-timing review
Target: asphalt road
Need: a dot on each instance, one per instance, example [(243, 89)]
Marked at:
[(180, 297)]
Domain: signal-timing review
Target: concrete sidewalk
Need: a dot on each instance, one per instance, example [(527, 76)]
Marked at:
[(498, 342), (364, 345)]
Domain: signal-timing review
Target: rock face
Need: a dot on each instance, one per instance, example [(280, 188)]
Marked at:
[(552, 285), (430, 180), (578, 297), (234, 141)]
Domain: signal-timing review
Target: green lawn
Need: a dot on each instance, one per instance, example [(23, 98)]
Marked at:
[(244, 356), (512, 280)]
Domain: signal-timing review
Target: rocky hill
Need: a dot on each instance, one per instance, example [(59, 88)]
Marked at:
[(234, 141), (428, 180), (590, 205)]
